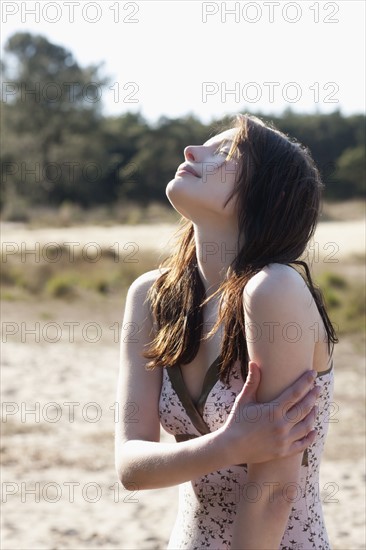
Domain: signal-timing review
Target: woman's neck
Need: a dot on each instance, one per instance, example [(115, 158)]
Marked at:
[(215, 252)]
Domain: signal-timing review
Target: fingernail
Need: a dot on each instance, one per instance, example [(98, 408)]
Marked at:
[(314, 374)]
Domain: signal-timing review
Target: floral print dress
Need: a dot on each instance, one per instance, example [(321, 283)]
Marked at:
[(207, 505)]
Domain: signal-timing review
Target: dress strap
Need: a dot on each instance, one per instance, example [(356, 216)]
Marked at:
[(209, 382), (323, 372), (177, 382)]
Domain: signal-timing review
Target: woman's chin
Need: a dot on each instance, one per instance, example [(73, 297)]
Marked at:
[(173, 198), (175, 190)]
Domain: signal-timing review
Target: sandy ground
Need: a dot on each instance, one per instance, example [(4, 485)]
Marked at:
[(59, 486), (333, 240)]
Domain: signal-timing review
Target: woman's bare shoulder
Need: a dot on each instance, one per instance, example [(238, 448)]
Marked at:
[(144, 281), (273, 275)]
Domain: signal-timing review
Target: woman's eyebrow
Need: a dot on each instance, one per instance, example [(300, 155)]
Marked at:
[(218, 143)]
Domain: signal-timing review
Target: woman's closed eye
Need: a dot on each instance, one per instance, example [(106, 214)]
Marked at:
[(221, 152)]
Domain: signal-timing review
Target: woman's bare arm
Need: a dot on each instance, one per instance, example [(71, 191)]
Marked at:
[(276, 295), (142, 462)]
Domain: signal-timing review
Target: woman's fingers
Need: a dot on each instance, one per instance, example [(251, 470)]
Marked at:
[(285, 426), (302, 444), (302, 408), (301, 412), (295, 393), (301, 429)]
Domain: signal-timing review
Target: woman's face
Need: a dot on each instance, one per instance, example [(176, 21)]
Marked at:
[(203, 182)]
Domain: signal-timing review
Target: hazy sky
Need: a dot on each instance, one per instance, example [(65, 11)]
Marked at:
[(210, 58)]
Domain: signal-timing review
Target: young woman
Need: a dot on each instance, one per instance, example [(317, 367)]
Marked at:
[(225, 336)]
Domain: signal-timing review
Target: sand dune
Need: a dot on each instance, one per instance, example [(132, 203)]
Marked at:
[(68, 466)]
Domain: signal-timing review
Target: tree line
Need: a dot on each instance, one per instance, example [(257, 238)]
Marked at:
[(57, 144)]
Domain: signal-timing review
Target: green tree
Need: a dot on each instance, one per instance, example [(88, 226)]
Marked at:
[(58, 146), (350, 172), (51, 117)]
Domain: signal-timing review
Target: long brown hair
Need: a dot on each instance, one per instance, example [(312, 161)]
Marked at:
[(278, 196)]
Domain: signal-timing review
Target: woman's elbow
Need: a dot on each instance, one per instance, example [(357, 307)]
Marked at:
[(129, 477), (129, 469), (127, 480)]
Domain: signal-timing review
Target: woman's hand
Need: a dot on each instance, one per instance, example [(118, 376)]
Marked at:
[(259, 432)]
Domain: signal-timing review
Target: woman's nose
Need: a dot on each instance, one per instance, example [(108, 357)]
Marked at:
[(189, 153)]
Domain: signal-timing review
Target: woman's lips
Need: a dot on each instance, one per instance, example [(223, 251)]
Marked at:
[(187, 170)]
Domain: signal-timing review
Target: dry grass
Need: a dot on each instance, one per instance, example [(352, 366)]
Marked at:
[(345, 300), (342, 283), (70, 279), (132, 213), (69, 214)]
